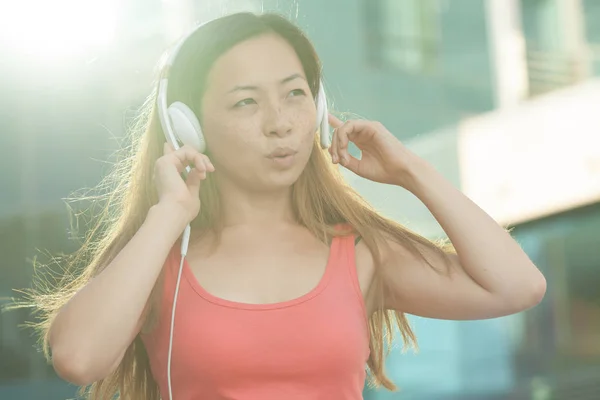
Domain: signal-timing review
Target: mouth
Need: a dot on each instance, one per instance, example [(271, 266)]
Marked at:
[(281, 153), (283, 157)]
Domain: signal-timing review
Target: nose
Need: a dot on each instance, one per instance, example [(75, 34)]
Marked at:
[(277, 121)]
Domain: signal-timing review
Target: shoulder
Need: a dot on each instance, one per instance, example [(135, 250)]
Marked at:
[(387, 257), (379, 247)]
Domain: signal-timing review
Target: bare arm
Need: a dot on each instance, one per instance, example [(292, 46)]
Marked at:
[(490, 276), (92, 331)]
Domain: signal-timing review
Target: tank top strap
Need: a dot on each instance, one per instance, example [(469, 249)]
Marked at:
[(170, 268), (345, 250), (340, 250), (345, 272), (170, 272)]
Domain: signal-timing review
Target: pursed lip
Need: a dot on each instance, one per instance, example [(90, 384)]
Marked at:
[(281, 152)]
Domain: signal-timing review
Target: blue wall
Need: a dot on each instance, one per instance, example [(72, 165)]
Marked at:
[(408, 103)]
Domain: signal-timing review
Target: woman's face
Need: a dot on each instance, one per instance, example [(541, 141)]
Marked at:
[(259, 116)]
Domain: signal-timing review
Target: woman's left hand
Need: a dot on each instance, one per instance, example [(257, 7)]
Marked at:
[(384, 158)]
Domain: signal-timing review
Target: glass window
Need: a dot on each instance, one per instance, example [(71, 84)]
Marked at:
[(592, 28), (403, 34), (561, 337)]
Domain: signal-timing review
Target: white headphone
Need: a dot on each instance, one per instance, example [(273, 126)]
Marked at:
[(180, 125)]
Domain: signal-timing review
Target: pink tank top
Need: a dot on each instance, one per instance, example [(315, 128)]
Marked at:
[(312, 347)]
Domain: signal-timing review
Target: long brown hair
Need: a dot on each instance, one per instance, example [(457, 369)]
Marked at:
[(321, 199)]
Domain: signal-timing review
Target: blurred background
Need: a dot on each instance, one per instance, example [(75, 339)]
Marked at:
[(503, 96)]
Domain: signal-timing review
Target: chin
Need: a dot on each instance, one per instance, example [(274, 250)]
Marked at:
[(280, 179), (285, 172)]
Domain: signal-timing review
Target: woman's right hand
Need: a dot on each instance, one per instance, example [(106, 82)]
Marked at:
[(173, 190)]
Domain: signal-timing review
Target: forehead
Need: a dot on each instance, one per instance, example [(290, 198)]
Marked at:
[(261, 60)]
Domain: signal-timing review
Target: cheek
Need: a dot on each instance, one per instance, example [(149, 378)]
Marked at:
[(226, 136), (305, 123), (308, 136)]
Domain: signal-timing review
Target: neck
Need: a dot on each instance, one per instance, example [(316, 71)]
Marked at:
[(243, 207)]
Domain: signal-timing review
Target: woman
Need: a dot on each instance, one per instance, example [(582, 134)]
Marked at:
[(291, 281)]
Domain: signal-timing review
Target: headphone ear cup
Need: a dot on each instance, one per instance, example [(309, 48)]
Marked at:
[(186, 126), (323, 117)]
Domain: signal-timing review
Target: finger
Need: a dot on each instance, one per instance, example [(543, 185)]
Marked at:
[(194, 181), (208, 164), (342, 141), (167, 148), (186, 156), (349, 129), (333, 149), (360, 129), (351, 163), (200, 165), (346, 133), (334, 121), (197, 174)]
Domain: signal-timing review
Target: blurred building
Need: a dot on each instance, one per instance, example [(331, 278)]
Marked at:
[(532, 160), (498, 94)]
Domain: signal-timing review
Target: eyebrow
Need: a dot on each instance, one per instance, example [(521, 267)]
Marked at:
[(281, 82)]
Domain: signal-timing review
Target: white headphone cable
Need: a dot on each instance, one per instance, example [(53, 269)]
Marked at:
[(185, 240)]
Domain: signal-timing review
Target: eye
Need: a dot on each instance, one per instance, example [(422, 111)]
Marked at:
[(297, 92), (244, 102)]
